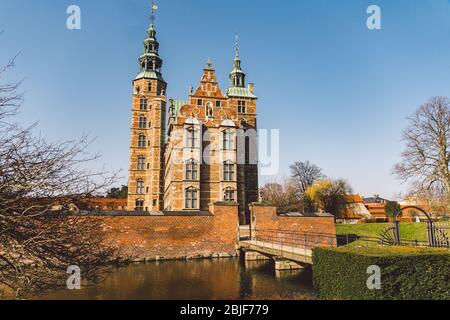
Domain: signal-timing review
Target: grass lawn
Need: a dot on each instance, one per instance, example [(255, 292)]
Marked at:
[(408, 231)]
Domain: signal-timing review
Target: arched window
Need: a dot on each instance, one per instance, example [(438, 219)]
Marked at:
[(191, 170), (141, 163), (191, 197), (228, 139), (140, 186), (191, 140), (142, 122), (143, 103), (228, 195), (228, 171), (209, 110), (139, 205), (142, 141)]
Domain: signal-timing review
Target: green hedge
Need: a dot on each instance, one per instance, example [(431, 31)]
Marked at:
[(407, 273)]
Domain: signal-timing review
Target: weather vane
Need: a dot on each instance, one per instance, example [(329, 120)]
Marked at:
[(237, 45), (154, 9)]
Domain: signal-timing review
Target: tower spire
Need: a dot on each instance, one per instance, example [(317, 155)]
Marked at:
[(237, 76), (150, 63)]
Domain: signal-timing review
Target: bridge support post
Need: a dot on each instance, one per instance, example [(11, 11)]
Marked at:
[(284, 264), (254, 256)]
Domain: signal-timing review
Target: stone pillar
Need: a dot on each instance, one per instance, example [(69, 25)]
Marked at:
[(284, 264), (254, 256)]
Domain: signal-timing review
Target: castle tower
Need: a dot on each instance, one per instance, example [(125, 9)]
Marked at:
[(145, 184), (243, 100)]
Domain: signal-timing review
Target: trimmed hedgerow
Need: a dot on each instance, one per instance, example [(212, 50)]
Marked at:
[(407, 273)]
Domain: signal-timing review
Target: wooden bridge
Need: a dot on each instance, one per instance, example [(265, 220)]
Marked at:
[(288, 249)]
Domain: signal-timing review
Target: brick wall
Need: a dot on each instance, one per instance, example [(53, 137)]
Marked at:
[(174, 236), (295, 229)]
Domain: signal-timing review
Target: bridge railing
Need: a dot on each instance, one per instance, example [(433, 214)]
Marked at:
[(293, 239)]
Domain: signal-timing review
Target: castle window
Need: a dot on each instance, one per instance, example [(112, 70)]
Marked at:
[(228, 171), (142, 141), (139, 205), (191, 198), (137, 90), (143, 103), (241, 106), (228, 195), (191, 170), (142, 122), (141, 163), (149, 88), (228, 139), (209, 110), (199, 102), (191, 140), (140, 186), (218, 104)]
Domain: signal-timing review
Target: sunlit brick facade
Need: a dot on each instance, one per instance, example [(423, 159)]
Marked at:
[(209, 151)]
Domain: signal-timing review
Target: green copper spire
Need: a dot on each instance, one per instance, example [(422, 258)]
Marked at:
[(237, 76), (150, 63)]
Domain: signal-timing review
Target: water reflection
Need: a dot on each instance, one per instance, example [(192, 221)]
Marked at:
[(197, 280)]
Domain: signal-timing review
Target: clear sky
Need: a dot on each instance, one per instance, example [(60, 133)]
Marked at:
[(338, 92)]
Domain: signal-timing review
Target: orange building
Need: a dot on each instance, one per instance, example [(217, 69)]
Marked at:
[(355, 211)]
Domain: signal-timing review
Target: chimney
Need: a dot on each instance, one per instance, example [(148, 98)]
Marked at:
[(251, 87)]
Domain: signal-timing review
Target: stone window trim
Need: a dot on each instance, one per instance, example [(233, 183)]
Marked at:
[(191, 198), (143, 103), (141, 163), (139, 204), (228, 170), (191, 170), (140, 189), (142, 122), (229, 195), (142, 141), (191, 137), (242, 107), (228, 139)]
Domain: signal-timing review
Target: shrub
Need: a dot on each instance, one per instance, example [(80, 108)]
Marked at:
[(407, 273)]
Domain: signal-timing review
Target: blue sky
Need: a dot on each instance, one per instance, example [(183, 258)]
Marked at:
[(338, 92)]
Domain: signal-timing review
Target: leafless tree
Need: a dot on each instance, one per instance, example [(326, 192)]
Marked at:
[(36, 244), (303, 175), (425, 162), (280, 195)]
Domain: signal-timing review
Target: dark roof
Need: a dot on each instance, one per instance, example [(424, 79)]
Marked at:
[(375, 200)]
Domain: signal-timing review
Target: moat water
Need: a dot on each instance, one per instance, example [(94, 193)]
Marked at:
[(230, 279)]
